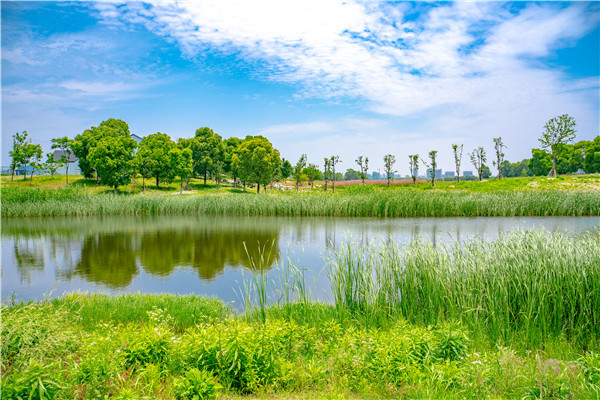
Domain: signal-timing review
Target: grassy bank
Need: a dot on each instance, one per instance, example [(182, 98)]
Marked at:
[(513, 318), (81, 347), (353, 201)]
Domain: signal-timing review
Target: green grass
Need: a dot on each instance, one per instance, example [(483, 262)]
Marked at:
[(364, 202)]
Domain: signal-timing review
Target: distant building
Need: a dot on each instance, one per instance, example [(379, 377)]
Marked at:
[(416, 171), (467, 173), (58, 154), (438, 174), (136, 138), (449, 174)]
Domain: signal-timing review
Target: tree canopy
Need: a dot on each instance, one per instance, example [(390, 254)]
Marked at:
[(257, 161)]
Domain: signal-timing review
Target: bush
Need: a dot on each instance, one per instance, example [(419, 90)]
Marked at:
[(196, 384)]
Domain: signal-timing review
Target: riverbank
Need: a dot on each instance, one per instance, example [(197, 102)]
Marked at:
[(513, 318), (468, 199)]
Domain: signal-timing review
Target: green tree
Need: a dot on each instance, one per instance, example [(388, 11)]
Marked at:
[(312, 173), (540, 163), (257, 161), (180, 160), (17, 154), (432, 165), (518, 169), (286, 168), (332, 162), (83, 143), (457, 150), (51, 165), (34, 151), (363, 165), (413, 164), (558, 130), (298, 174), (64, 144), (485, 171), (351, 175), (478, 159), (231, 146), (327, 174), (154, 155), (591, 161), (389, 160), (498, 146), (207, 149), (112, 159)]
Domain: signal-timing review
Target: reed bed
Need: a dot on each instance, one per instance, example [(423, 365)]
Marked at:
[(21, 202), (525, 287)]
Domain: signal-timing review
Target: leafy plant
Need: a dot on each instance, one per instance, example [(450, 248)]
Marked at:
[(197, 385)]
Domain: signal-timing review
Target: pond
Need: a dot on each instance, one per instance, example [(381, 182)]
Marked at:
[(209, 255)]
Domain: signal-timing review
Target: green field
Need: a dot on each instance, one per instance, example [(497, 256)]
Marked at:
[(569, 195), (516, 318)]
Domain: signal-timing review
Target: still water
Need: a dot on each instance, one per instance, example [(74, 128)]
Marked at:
[(208, 255)]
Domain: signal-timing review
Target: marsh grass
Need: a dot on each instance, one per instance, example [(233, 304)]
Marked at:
[(525, 287), (20, 202)]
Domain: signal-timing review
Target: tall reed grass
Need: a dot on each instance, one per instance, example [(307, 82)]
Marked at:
[(398, 203), (525, 287)]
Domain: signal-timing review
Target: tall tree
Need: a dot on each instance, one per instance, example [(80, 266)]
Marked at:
[(286, 168), (112, 159), (257, 161), (413, 164), (17, 154), (208, 149), (558, 130), (83, 143), (64, 144), (231, 145), (298, 171), (478, 159), (363, 164), (180, 160), (498, 146), (432, 165), (457, 150), (540, 163), (326, 171), (35, 160), (332, 162), (154, 155), (389, 160)]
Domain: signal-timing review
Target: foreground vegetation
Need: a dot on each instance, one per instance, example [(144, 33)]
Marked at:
[(508, 197), (514, 318)]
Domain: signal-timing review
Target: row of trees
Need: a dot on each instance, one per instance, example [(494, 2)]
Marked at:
[(108, 153)]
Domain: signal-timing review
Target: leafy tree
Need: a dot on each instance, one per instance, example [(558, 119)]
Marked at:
[(540, 163), (286, 168), (51, 165), (478, 159), (518, 169), (389, 160), (326, 172), (498, 145), (457, 159), (351, 175), (312, 173), (413, 163), (112, 158), (298, 168), (432, 165), (207, 149), (83, 143), (486, 172), (257, 161), (364, 167), (35, 160), (65, 145), (332, 162), (17, 154), (153, 154), (591, 161), (180, 160), (231, 145), (558, 130)]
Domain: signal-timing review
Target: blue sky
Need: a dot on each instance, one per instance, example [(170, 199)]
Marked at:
[(314, 76)]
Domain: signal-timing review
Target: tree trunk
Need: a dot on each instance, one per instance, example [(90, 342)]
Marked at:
[(244, 186), (414, 180), (67, 173), (234, 182), (205, 178), (25, 173), (181, 186), (258, 188), (325, 189), (388, 182), (31, 180), (13, 175), (157, 181), (553, 171), (115, 192), (433, 179)]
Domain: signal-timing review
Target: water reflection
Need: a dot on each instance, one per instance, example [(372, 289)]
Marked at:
[(205, 254)]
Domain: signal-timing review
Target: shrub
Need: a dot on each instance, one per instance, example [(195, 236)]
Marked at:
[(196, 384)]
